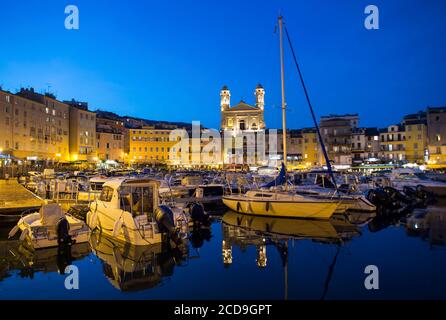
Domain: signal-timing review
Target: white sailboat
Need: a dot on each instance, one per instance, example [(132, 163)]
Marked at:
[(282, 203)]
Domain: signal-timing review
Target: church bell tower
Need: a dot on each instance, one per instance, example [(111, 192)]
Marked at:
[(260, 97), (225, 98)]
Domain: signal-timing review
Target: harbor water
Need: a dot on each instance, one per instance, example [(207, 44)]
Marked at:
[(242, 257)]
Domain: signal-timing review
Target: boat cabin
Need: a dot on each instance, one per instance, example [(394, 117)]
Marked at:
[(136, 196)]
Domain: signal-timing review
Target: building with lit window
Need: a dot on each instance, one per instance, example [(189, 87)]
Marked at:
[(336, 131), (82, 132), (436, 128), (150, 145), (393, 144), (34, 126), (416, 137)]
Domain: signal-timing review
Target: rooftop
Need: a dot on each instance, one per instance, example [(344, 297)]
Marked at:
[(243, 106)]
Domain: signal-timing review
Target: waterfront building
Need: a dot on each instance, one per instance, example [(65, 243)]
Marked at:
[(294, 147), (34, 126), (310, 147), (116, 126), (393, 144), (416, 137), (365, 146), (150, 145), (110, 144), (436, 128), (336, 131), (6, 115), (82, 132)]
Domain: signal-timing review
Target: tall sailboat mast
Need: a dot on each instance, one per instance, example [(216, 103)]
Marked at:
[(282, 73)]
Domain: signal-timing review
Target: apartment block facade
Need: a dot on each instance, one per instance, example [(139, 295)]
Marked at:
[(436, 132), (34, 126), (150, 145), (112, 140), (336, 131)]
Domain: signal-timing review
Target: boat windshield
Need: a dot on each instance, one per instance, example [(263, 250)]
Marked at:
[(137, 200)]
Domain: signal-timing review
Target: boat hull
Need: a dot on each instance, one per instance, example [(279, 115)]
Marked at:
[(42, 237), (281, 208), (129, 232)]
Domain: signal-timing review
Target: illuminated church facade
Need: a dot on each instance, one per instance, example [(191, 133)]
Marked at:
[(242, 117)]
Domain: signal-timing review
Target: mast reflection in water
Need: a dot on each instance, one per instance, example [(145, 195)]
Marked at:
[(261, 232)]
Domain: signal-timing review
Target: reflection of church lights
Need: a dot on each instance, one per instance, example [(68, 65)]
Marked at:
[(226, 253)]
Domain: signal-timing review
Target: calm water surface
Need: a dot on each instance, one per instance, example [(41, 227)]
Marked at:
[(240, 257)]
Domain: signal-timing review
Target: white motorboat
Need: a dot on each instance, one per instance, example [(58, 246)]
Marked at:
[(51, 227), (94, 189), (413, 178), (129, 210)]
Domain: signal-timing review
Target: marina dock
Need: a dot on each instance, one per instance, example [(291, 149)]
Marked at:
[(14, 199)]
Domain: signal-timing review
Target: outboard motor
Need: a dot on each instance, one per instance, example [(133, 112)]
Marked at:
[(424, 194), (63, 232), (395, 195), (197, 214), (165, 221)]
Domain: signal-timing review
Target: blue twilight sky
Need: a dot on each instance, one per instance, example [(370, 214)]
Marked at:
[(167, 60)]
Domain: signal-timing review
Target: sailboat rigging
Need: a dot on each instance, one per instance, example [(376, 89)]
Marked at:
[(276, 202), (321, 141)]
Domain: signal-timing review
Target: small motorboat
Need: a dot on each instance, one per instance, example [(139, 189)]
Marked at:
[(129, 210), (51, 227)]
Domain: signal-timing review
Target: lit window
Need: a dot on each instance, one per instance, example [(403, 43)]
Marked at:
[(375, 138), (438, 137)]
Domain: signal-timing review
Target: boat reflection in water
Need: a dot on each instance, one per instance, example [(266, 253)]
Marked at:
[(246, 230), (428, 224), (18, 256), (134, 268)]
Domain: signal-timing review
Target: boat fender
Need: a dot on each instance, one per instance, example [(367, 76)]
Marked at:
[(117, 227), (92, 219), (13, 231), (25, 232), (63, 229)]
